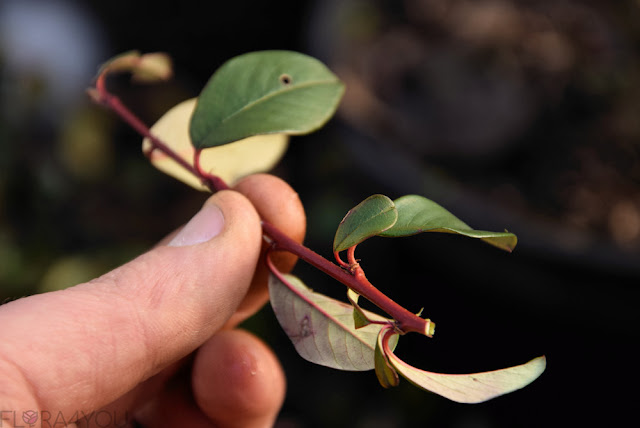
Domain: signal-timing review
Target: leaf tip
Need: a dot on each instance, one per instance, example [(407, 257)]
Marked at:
[(540, 363)]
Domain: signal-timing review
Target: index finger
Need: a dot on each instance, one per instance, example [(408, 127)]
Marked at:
[(276, 202)]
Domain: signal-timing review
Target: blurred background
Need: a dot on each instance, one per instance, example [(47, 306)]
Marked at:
[(512, 114)]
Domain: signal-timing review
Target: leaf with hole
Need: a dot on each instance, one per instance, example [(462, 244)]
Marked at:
[(230, 162), (265, 92), (417, 214), (321, 328), (369, 218)]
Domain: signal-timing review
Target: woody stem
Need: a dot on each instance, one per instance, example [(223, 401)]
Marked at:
[(405, 321)]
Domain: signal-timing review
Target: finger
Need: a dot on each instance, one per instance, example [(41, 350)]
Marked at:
[(123, 409), (277, 203), (237, 381), (174, 406), (94, 342)]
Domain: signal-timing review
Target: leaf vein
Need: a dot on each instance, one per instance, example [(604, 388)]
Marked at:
[(274, 94)]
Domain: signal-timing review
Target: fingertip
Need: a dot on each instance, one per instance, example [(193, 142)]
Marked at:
[(238, 212), (276, 202), (237, 380)]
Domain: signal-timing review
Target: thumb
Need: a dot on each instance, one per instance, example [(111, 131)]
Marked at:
[(98, 340)]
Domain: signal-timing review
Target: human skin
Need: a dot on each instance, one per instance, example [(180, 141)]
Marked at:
[(155, 340)]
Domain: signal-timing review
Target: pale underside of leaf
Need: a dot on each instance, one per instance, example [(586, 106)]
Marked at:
[(471, 388), (417, 214), (229, 162), (322, 328)]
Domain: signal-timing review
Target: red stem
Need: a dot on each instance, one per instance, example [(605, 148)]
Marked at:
[(116, 105), (405, 321), (213, 182)]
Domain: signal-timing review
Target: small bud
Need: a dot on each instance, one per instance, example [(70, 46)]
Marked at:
[(153, 67), (145, 68)]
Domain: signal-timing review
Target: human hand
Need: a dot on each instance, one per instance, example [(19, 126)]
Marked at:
[(154, 339)]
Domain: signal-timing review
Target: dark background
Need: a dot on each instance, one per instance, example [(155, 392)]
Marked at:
[(512, 114)]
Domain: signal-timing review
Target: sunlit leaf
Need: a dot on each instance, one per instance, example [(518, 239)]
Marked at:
[(229, 162), (418, 214), (265, 92), (470, 388), (369, 218), (321, 328), (387, 376)]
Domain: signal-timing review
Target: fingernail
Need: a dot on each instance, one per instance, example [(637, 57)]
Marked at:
[(206, 224)]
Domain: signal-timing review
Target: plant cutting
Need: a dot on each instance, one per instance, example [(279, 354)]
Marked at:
[(240, 124)]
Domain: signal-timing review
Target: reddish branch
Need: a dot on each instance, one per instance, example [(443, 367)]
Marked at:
[(349, 274)]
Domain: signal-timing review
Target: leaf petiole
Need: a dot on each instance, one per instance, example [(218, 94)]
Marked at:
[(213, 182)]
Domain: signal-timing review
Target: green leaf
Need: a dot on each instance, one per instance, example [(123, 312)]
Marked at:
[(471, 388), (359, 317), (387, 376), (231, 162), (265, 92), (369, 218), (417, 214), (321, 328)]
